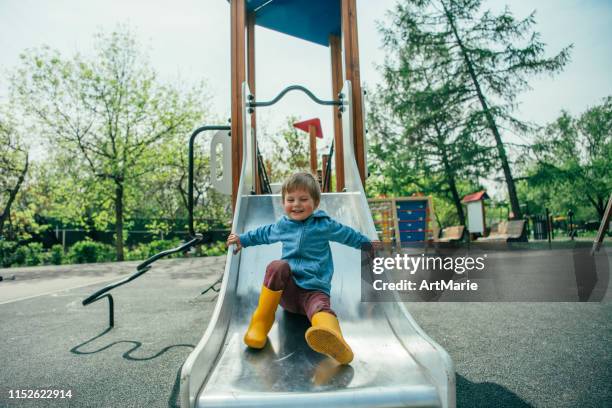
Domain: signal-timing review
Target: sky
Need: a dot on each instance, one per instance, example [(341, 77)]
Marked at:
[(189, 40)]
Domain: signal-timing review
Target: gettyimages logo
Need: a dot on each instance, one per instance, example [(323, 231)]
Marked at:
[(495, 273), (411, 264)]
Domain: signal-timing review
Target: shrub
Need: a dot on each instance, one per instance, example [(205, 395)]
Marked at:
[(56, 255), (215, 249), (34, 254), (7, 253), (89, 251), (144, 251)]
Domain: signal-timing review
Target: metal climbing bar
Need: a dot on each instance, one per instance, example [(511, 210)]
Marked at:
[(254, 104), (140, 270)]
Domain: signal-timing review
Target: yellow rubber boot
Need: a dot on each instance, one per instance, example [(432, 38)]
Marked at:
[(325, 337), (263, 318)]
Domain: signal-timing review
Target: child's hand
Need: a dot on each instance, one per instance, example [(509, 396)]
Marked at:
[(373, 248), (234, 239)]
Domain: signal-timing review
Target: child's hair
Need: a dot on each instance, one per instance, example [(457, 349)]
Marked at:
[(302, 181)]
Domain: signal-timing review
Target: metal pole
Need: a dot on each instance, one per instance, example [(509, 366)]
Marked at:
[(548, 226)]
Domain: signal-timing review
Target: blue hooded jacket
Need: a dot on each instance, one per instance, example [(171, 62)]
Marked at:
[(306, 246)]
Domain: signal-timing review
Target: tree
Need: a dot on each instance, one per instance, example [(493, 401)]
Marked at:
[(14, 165), (425, 110), (290, 151), (164, 193), (105, 117), (487, 55), (571, 157)]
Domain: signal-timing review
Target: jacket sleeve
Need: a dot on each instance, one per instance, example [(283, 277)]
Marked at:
[(346, 235), (266, 234)]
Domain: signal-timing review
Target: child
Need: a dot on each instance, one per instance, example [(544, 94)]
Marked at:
[(301, 280)]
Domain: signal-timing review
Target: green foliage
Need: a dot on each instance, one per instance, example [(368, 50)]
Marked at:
[(7, 253), (14, 165), (89, 252), (570, 167), (145, 251), (215, 249), (291, 151), (452, 76), (13, 254), (105, 121), (56, 255), (34, 254)]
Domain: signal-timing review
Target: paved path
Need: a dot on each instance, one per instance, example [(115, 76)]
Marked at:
[(505, 354)]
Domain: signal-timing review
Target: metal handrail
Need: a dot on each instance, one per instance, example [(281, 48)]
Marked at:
[(142, 268), (191, 170), (253, 104)]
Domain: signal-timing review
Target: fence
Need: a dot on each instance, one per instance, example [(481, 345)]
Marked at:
[(68, 236)]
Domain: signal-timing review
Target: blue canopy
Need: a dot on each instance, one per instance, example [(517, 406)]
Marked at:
[(310, 20)]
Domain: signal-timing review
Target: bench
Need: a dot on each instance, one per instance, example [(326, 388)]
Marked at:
[(507, 231), (451, 234)]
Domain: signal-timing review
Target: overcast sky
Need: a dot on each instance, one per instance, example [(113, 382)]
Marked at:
[(189, 39)]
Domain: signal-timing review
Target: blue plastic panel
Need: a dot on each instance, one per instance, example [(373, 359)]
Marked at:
[(412, 236), (412, 215), (412, 205), (310, 20), (411, 225)]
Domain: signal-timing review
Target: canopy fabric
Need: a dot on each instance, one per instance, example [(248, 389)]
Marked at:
[(310, 20)]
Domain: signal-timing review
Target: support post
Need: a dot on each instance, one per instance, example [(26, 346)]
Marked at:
[(251, 81), (312, 132), (603, 227), (238, 20), (351, 62), (324, 160), (336, 75)]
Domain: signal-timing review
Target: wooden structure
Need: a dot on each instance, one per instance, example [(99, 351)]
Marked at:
[(451, 234), (330, 23), (507, 231), (314, 130), (404, 220)]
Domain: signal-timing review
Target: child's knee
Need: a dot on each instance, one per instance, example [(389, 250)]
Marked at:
[(277, 274)]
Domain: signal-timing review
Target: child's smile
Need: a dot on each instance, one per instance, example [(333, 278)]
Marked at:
[(299, 205)]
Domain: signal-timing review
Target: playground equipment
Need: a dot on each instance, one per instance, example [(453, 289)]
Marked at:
[(603, 227), (404, 220), (313, 127), (396, 363), (194, 240), (476, 212)]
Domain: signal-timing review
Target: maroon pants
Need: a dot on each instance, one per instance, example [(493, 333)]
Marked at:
[(295, 299)]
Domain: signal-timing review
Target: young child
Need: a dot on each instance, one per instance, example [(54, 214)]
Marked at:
[(301, 280)]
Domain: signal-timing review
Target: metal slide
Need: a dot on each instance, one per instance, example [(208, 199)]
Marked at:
[(396, 364)]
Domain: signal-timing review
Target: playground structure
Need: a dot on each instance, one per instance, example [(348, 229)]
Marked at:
[(404, 221), (396, 363)]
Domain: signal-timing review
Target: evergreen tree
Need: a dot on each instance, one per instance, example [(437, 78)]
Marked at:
[(488, 57)]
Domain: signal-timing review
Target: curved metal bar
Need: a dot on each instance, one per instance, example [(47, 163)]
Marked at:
[(190, 183), (252, 104), (140, 269)]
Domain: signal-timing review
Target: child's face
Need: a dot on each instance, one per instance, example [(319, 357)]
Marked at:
[(299, 205)]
